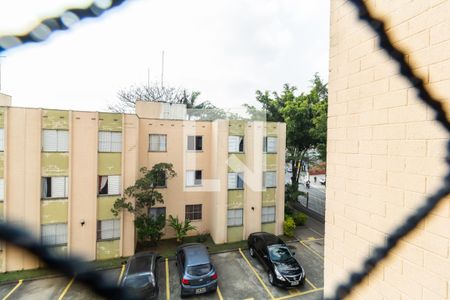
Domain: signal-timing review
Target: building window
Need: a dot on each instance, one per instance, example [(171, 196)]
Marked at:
[(270, 144), (157, 143), (108, 230), (155, 212), (161, 180), (2, 189), (109, 185), (270, 179), (194, 212), (55, 187), (193, 178), (2, 139), (235, 181), (55, 140), (235, 217), (195, 143), (54, 234), (109, 141), (268, 214), (235, 144)]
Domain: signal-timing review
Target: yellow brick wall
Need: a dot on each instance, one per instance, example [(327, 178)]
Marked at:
[(385, 151)]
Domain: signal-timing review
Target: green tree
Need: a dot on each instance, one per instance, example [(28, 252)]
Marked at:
[(145, 195), (305, 116), (181, 228)]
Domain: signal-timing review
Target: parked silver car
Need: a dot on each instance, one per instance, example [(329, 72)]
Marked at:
[(197, 274)]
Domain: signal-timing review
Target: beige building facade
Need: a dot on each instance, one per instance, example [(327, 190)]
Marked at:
[(385, 151), (61, 172)]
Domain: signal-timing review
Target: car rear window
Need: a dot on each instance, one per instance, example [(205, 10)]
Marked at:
[(199, 270), (137, 282)]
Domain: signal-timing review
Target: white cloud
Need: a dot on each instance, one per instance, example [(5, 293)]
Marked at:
[(225, 49)]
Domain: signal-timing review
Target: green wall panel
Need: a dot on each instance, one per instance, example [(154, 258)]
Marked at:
[(236, 127), (270, 162), (2, 116), (268, 227), (108, 249), (54, 211), (55, 119), (2, 165), (268, 197), (235, 199), (109, 122), (109, 163), (55, 164), (104, 205), (234, 234), (271, 128), (236, 165)]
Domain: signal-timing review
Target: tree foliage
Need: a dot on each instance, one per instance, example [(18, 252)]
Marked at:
[(145, 195), (181, 228), (305, 116)]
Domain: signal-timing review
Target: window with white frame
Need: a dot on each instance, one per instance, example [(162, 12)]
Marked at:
[(157, 143), (235, 217), (55, 187), (55, 140), (270, 144), (108, 229), (109, 141), (270, 179), (235, 143), (235, 181), (193, 178), (2, 139), (109, 185), (54, 234), (2, 189), (268, 214), (195, 143)]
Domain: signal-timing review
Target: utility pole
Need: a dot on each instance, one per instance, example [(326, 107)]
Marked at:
[(1, 56), (162, 70)]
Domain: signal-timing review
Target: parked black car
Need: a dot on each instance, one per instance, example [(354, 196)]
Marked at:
[(282, 268), (197, 274), (140, 275)]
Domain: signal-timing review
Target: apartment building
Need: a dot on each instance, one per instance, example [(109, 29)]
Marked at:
[(61, 171), (386, 153)]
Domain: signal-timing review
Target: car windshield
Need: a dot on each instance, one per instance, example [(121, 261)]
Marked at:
[(199, 270), (279, 253), (137, 282)]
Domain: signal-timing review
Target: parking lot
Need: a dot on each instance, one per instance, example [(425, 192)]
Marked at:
[(240, 276)]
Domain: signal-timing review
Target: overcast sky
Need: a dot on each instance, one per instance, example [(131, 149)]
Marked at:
[(226, 49)]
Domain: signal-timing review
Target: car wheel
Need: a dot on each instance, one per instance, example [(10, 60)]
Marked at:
[(270, 275), (252, 252)]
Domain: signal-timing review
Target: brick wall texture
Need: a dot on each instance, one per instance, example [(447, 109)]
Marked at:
[(385, 151)]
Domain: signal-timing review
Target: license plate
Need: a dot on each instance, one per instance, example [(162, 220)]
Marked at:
[(200, 291), (294, 282)]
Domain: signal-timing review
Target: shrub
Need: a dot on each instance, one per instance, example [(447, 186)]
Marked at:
[(202, 237), (289, 226), (181, 228), (287, 210), (300, 218)]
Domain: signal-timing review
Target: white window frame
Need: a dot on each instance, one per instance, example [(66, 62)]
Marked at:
[(233, 179), (54, 180), (57, 236), (113, 184), (270, 144), (268, 214), (235, 217), (268, 183), (195, 142), (191, 180), (160, 146), (60, 143), (112, 231), (110, 141), (233, 143)]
